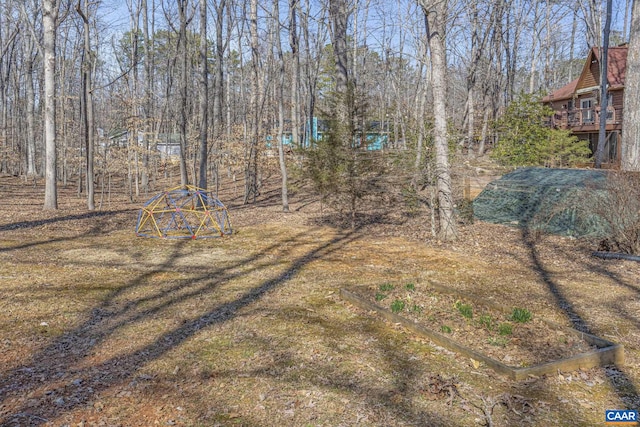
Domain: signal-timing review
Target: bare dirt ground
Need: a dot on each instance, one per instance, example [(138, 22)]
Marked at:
[(101, 328)]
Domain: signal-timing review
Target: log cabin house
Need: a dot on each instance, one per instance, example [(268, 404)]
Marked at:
[(576, 106)]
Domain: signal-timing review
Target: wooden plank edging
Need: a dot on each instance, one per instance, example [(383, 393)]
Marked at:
[(590, 338), (611, 354)]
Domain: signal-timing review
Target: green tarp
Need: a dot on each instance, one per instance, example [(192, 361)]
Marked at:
[(551, 200)]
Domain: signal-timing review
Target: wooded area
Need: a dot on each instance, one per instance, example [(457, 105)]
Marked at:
[(82, 94), (374, 124)]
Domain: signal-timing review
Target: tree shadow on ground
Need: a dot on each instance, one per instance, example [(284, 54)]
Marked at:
[(623, 386), (47, 375), (100, 226), (57, 219)]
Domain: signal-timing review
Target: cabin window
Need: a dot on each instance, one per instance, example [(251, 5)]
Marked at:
[(586, 105), (610, 114)]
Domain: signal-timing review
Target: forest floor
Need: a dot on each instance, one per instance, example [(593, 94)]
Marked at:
[(99, 327)]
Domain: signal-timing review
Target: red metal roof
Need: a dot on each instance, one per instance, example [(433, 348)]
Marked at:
[(565, 92), (617, 67), (616, 64)]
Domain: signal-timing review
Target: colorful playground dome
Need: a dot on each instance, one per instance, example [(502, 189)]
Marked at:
[(183, 213)]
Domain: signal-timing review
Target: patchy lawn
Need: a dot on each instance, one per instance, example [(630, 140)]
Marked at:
[(101, 328)]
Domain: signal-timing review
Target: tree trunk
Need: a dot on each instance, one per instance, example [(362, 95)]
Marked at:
[(134, 123), (625, 26), (604, 83), (535, 49), (204, 96), (218, 91), (436, 26), (574, 30), (87, 104), (148, 95), (251, 166), (50, 23), (471, 78), (295, 73), (631, 133), (182, 47), (31, 101), (280, 101), (420, 108), (338, 16)]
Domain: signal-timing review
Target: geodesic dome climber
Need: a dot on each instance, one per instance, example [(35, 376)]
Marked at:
[(183, 213)]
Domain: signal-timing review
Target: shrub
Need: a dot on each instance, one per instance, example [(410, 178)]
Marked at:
[(562, 149), (617, 206), (524, 139)]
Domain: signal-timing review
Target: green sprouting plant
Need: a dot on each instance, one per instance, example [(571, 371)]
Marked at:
[(446, 329), (416, 308), (486, 320), (410, 287), (386, 287), (505, 329), (465, 309), (498, 341), (520, 315), (397, 306), (380, 296)]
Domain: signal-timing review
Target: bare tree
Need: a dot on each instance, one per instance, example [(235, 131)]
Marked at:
[(625, 25), (8, 44), (251, 167), (592, 16), (87, 101), (536, 46), (420, 109), (314, 41), (295, 71), (338, 15), (218, 85), (182, 51), (604, 83), (204, 96), (50, 24), (631, 132), (572, 46), (133, 173), (30, 55), (436, 13), (280, 102), (481, 18), (148, 90)]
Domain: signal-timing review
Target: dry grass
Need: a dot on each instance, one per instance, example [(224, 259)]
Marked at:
[(98, 327)]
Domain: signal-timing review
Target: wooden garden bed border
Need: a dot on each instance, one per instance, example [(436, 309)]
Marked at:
[(607, 353)]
